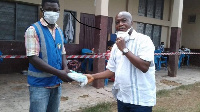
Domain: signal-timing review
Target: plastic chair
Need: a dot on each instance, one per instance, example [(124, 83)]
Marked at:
[(113, 37), (106, 82), (157, 59), (163, 60), (1, 59), (85, 51), (90, 60), (188, 59), (180, 60)]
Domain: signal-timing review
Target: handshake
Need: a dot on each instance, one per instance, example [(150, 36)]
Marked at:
[(83, 79)]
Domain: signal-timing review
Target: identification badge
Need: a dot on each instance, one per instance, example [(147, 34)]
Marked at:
[(59, 46)]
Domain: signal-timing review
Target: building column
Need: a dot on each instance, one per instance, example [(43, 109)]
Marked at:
[(175, 36), (100, 39)]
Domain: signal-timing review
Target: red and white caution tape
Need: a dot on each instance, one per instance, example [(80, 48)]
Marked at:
[(67, 56), (100, 55), (175, 53), (86, 56), (13, 56)]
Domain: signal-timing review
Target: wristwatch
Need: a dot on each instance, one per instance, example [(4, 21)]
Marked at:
[(125, 50)]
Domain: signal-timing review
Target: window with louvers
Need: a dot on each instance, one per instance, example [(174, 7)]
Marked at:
[(140, 28), (151, 8), (7, 21), (25, 16), (142, 8), (159, 9), (153, 31), (148, 30), (15, 18), (156, 35)]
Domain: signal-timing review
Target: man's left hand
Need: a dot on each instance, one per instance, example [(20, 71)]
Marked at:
[(120, 42)]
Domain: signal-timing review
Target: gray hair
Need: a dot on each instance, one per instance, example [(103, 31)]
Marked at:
[(127, 14)]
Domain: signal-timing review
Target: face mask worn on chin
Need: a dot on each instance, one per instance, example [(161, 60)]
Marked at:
[(124, 35), (51, 17)]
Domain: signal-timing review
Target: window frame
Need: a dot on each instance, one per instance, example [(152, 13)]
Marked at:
[(15, 18)]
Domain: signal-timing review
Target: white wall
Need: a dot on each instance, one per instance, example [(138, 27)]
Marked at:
[(191, 32)]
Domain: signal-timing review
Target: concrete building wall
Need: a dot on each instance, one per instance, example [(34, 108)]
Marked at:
[(165, 23), (38, 2), (79, 6), (191, 31), (115, 6)]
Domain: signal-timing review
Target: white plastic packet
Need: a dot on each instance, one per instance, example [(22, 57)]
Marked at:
[(124, 35), (78, 77)]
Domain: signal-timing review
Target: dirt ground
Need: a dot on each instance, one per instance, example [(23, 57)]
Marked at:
[(14, 95)]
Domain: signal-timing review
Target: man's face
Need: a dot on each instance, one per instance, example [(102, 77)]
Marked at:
[(122, 22), (48, 6)]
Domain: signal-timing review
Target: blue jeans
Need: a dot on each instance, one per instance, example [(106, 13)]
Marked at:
[(44, 100), (127, 107)]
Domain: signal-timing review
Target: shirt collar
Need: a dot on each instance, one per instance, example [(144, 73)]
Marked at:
[(133, 34), (44, 23)]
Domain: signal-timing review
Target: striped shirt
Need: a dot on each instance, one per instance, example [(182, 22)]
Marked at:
[(32, 41), (131, 84)]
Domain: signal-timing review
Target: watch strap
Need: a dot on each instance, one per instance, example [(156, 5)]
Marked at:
[(125, 51)]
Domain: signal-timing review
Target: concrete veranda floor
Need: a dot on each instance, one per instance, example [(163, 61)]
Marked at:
[(14, 96)]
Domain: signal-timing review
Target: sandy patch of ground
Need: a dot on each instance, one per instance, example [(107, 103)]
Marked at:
[(169, 83), (14, 95)]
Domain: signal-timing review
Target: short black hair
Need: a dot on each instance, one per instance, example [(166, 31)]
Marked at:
[(182, 46), (51, 1)]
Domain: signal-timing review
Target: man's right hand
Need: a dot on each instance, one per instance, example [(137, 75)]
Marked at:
[(64, 77), (90, 77)]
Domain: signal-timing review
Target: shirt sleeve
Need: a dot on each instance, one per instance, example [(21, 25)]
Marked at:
[(111, 65), (31, 42), (146, 50)]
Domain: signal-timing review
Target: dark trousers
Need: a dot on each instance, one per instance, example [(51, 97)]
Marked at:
[(127, 107)]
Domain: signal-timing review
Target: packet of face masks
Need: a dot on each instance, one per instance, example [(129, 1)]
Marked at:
[(124, 35), (78, 77)]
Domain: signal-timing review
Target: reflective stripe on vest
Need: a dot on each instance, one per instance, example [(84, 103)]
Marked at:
[(59, 30), (44, 53)]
